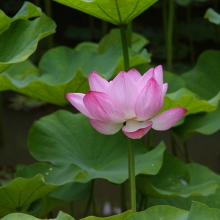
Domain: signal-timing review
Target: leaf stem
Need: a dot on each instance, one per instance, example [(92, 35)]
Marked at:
[(150, 140), (131, 169), (72, 208), (141, 203), (216, 29), (190, 37), (179, 146), (50, 215), (169, 39), (37, 2), (173, 146), (94, 206), (124, 47), (1, 121), (91, 197), (123, 198), (188, 159), (48, 10), (164, 11), (145, 202)]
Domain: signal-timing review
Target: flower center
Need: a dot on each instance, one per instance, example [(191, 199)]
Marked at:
[(134, 118)]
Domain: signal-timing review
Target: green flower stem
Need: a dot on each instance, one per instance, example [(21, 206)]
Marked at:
[(169, 39), (131, 168), (131, 163), (124, 47)]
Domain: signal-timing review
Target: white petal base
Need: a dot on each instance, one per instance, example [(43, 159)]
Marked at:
[(135, 129)]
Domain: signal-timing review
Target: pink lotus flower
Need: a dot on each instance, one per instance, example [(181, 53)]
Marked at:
[(130, 101)]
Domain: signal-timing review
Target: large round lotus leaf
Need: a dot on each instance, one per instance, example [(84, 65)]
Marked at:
[(72, 191), (25, 78), (62, 70), (186, 99), (138, 42), (217, 212), (204, 123), (174, 81), (44, 206), (64, 216), (27, 11), (114, 11), (51, 172), (66, 190), (87, 47), (20, 216), (173, 180), (204, 78), (198, 211), (20, 37), (78, 152), (121, 216), (63, 62), (212, 16), (205, 175), (160, 213), (20, 193), (204, 81)]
